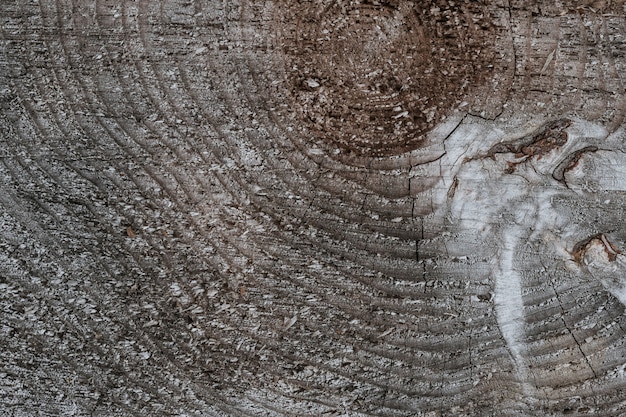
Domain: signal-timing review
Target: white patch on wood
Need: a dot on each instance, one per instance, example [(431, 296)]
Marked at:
[(498, 212), (508, 301), (548, 61)]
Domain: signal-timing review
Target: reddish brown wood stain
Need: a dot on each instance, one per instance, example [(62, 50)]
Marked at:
[(373, 77), (579, 250)]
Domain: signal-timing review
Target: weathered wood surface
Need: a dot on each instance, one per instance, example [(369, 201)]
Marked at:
[(285, 208)]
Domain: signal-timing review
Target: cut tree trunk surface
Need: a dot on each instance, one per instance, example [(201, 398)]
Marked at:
[(312, 208)]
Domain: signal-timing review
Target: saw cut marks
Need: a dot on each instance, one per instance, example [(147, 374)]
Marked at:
[(243, 208)]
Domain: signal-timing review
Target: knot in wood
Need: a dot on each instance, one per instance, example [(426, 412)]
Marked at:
[(373, 77)]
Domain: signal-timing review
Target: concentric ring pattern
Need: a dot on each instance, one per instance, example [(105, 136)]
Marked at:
[(374, 77), (288, 208)]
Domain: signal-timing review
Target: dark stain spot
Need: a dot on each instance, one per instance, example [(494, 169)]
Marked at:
[(372, 77), (485, 297)]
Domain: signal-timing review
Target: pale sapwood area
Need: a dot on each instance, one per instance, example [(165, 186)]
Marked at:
[(312, 208)]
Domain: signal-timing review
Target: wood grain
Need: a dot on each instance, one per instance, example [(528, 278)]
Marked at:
[(288, 208)]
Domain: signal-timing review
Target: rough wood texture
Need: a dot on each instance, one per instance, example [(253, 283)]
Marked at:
[(307, 208)]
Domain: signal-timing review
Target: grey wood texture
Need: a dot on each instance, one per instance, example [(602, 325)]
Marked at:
[(307, 208)]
